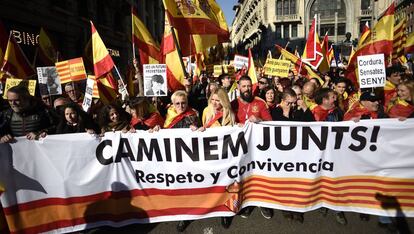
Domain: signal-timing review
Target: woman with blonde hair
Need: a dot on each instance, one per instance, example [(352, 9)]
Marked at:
[(218, 112), (180, 114), (403, 105)]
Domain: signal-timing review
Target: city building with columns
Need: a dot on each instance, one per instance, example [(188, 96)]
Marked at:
[(260, 24)]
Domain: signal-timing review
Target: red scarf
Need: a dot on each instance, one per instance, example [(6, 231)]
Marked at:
[(180, 117), (216, 117)]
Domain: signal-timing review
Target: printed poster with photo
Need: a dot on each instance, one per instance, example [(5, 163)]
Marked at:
[(49, 82), (155, 80)]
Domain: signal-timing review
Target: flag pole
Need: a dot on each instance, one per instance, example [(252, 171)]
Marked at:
[(280, 56), (179, 51), (132, 33)]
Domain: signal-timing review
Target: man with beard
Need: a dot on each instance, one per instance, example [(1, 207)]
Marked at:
[(247, 107)]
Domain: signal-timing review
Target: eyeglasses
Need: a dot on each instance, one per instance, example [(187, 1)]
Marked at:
[(263, 83)]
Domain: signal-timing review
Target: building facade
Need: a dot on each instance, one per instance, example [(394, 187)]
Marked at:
[(67, 23), (260, 24)]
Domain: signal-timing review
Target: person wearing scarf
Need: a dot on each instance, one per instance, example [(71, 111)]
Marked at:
[(179, 114), (403, 106), (218, 112), (367, 108), (144, 115)]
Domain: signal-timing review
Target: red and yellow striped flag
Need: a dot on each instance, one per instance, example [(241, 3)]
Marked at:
[(149, 49), (107, 87), (380, 42), (251, 70), (409, 45), (15, 61), (71, 70), (400, 39), (175, 72), (204, 20), (366, 32), (102, 61)]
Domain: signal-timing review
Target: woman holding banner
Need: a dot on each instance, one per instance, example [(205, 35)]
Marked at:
[(218, 112), (74, 120), (114, 118), (179, 114), (144, 115)]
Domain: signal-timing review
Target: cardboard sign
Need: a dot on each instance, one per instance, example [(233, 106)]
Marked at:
[(49, 82), (155, 80), (240, 61), (277, 67), (10, 82), (371, 71)]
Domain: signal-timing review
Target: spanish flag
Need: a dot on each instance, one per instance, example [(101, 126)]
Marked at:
[(15, 61), (366, 32), (251, 70), (102, 61), (380, 42), (47, 51), (313, 54), (175, 71), (107, 88), (400, 39), (409, 45), (149, 49), (204, 20)]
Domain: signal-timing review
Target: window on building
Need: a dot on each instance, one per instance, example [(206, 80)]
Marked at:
[(286, 31), (294, 30), (279, 7), (292, 7), (365, 4), (278, 31), (286, 7), (327, 10)]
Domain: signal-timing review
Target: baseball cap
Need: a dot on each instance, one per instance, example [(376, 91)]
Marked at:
[(369, 96)]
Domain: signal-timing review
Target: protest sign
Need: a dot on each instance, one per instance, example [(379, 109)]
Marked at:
[(277, 67), (11, 82), (87, 100), (240, 61), (71, 70), (155, 80), (49, 82), (218, 70), (177, 174), (371, 70)]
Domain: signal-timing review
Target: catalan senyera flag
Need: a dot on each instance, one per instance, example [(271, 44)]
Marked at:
[(203, 19), (330, 55), (380, 42), (409, 44), (175, 71), (366, 32), (15, 61), (149, 49), (313, 54), (47, 51), (71, 70), (102, 61), (300, 66), (400, 38)]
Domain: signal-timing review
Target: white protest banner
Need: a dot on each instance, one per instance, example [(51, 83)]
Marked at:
[(49, 82), (371, 70), (155, 80), (87, 100), (277, 67), (177, 174), (240, 61)]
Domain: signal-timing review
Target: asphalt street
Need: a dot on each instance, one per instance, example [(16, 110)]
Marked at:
[(314, 222)]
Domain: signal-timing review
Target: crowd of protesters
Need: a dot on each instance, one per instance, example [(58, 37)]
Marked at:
[(207, 102)]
